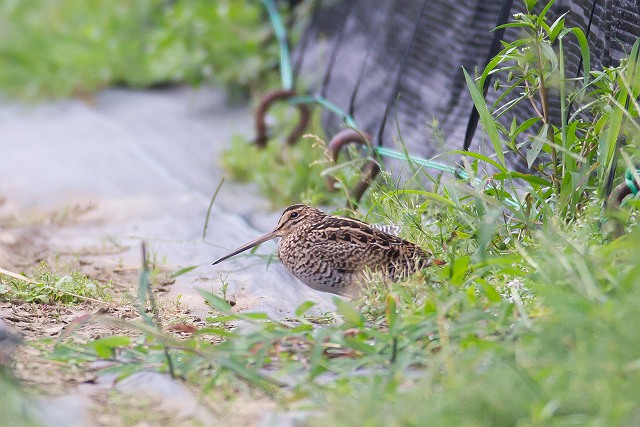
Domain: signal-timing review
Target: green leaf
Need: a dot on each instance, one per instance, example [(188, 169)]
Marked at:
[(351, 316), (547, 52), (430, 308), (543, 14), (253, 315), (479, 156), (214, 331), (506, 54), (391, 312), (359, 345), (303, 308), (633, 70), (513, 126), (513, 25), (215, 301), (459, 270), (530, 4), (485, 116), (434, 197), (114, 341), (105, 347), (486, 231), (490, 292), (65, 353), (584, 51), (184, 270), (427, 194), (103, 351), (524, 126), (531, 179), (121, 371), (556, 28), (537, 143)]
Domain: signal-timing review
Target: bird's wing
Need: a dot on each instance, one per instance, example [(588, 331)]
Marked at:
[(352, 245)]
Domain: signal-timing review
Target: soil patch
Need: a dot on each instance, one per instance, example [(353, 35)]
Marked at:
[(25, 242)]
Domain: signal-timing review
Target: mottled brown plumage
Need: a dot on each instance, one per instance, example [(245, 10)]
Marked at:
[(330, 253)]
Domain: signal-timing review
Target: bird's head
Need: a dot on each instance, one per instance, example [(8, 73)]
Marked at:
[(297, 216), (293, 218)]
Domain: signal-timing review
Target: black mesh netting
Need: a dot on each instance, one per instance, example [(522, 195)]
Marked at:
[(396, 65)]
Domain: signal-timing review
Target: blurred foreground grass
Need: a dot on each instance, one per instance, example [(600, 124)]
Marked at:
[(59, 48), (575, 362)]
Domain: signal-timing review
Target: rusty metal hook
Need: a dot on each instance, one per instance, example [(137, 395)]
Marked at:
[(369, 170), (618, 194), (614, 202), (267, 101)]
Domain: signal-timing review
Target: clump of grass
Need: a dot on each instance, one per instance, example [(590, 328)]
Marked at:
[(291, 174), (73, 47), (569, 157), (47, 287), (284, 174), (576, 363)]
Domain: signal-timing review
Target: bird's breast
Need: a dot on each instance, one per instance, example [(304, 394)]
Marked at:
[(315, 264)]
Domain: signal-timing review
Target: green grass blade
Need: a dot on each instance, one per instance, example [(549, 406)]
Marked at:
[(485, 116)]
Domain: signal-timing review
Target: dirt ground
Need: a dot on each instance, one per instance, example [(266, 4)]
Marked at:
[(23, 246), (82, 185)]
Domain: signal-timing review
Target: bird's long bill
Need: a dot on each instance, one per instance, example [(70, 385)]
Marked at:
[(270, 235)]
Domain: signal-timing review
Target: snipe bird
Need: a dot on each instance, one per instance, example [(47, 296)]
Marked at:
[(331, 253)]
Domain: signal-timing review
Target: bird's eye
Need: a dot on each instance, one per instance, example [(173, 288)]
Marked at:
[(293, 215)]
